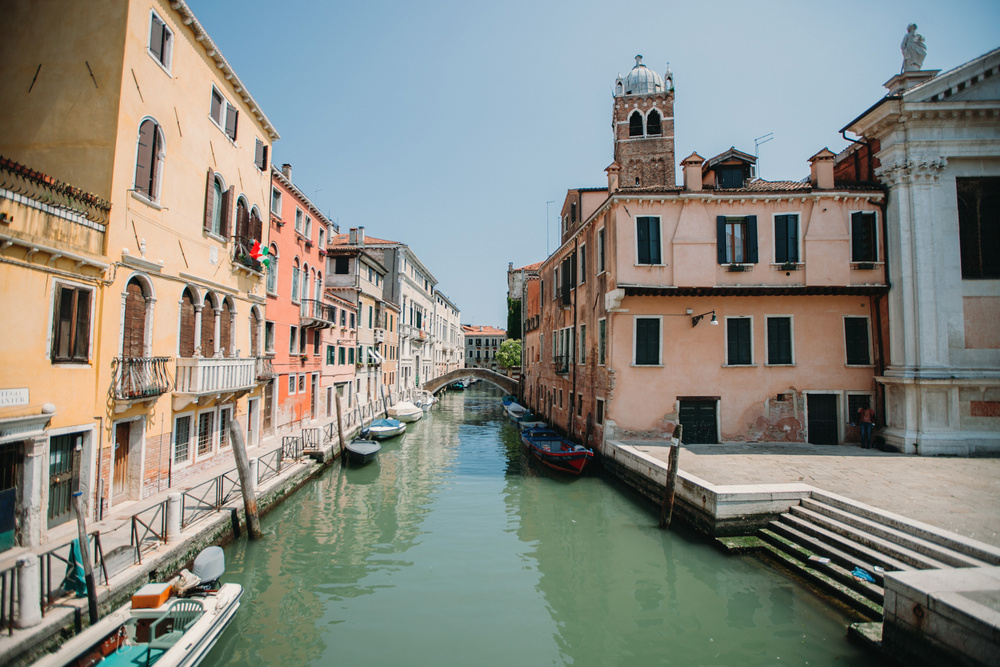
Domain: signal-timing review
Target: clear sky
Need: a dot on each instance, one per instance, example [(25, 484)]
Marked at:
[(449, 125)]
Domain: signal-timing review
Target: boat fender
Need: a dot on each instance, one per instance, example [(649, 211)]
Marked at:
[(579, 448)]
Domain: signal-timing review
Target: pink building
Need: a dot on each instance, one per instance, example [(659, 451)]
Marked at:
[(744, 309), (298, 310)]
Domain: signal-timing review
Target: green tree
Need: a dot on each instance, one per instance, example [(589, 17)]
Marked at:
[(509, 354)]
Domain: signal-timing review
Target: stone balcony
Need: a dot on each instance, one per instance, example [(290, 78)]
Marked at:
[(200, 380), (315, 314)]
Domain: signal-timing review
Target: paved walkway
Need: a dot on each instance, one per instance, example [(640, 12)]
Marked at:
[(961, 495)]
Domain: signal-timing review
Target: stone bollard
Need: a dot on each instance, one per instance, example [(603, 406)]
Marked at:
[(173, 517), (254, 465), (29, 611)]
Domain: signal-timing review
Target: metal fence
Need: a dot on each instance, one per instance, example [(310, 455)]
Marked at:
[(291, 446), (60, 554), (208, 497), (8, 597), (310, 438), (149, 529), (269, 465)]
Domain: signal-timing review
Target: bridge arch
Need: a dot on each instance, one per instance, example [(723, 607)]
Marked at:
[(506, 384)]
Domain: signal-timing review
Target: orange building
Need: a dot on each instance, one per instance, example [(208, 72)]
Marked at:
[(298, 309)]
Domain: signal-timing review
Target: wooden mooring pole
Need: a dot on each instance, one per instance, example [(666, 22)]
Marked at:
[(246, 485), (88, 565), (667, 508)]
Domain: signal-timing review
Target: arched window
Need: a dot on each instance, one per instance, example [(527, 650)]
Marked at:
[(305, 286), (149, 160), (242, 219), (208, 327), (295, 280), (319, 286), (635, 124), (218, 205), (188, 316), (653, 123), (134, 327), (272, 270), (255, 337), (256, 226), (226, 329)]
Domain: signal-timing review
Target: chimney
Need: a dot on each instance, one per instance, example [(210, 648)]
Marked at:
[(352, 237), (286, 170), (821, 169), (692, 172), (613, 170), (361, 235)]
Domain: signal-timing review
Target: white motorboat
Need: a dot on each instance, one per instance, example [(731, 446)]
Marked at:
[(157, 626), (405, 411), (425, 400), (381, 429)]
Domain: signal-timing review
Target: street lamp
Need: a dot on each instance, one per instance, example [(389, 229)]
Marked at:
[(697, 318)]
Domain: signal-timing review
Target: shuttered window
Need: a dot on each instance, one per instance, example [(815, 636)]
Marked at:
[(207, 329), (647, 341), (260, 156), (160, 41), (738, 341), (71, 325), (779, 340), (856, 341), (786, 238), (647, 232), (134, 326), (736, 239), (186, 344), (863, 238), (149, 159), (232, 115)]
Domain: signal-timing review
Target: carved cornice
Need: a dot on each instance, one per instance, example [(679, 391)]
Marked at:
[(924, 169)]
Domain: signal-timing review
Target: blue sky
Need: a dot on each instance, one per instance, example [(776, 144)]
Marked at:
[(449, 125)]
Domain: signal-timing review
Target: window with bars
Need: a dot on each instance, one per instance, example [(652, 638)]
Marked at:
[(225, 416), (182, 439), (979, 227), (739, 347), (205, 422), (602, 333), (71, 325)]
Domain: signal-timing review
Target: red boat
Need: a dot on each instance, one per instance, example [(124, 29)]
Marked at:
[(556, 451)]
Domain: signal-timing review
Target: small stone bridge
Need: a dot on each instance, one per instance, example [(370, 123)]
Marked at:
[(506, 384)]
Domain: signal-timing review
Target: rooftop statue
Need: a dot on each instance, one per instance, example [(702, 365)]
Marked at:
[(913, 48)]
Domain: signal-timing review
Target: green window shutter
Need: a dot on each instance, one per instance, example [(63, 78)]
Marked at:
[(654, 240), (642, 239), (856, 340), (751, 239), (720, 238)]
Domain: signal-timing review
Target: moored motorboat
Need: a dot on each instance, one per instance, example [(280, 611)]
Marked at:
[(405, 411), (425, 400), (160, 626), (361, 451), (555, 451), (385, 428), (519, 413), (507, 400)]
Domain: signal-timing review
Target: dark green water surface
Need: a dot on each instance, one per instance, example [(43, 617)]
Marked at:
[(453, 549)]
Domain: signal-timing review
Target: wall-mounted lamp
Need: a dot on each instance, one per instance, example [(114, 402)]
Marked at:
[(697, 318)]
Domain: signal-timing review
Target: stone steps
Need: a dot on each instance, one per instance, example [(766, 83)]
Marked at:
[(852, 536)]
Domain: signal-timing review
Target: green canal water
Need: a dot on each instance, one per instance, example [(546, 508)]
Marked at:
[(454, 549)]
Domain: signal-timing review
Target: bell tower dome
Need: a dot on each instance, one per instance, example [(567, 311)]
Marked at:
[(643, 125)]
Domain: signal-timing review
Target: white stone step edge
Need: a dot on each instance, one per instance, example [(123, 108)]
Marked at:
[(912, 542), (946, 538), (866, 557), (901, 553)]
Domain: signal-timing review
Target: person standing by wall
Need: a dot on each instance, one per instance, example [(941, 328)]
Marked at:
[(866, 418)]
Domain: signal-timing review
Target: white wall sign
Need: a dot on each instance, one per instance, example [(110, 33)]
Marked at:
[(11, 397)]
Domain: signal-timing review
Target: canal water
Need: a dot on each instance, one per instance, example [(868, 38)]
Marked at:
[(454, 549)]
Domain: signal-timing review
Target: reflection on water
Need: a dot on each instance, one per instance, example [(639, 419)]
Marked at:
[(454, 549)]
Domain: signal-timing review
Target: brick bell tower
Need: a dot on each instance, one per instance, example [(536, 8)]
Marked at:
[(643, 124)]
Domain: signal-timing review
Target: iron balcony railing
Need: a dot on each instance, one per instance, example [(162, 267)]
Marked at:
[(316, 314), (265, 369), (140, 377), (242, 245)]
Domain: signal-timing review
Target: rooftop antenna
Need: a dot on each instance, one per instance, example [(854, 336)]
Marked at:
[(756, 148)]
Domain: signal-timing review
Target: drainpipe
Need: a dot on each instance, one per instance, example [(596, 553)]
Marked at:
[(880, 395), (576, 341)]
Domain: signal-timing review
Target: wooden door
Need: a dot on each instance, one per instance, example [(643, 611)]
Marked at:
[(822, 419), (268, 407), (698, 419), (119, 482)]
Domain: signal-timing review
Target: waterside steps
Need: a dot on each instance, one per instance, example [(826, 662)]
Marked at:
[(825, 538)]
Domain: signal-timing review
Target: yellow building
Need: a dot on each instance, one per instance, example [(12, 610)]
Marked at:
[(133, 101)]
